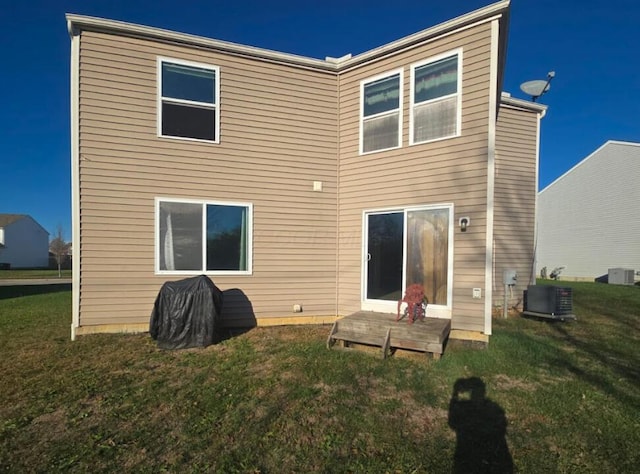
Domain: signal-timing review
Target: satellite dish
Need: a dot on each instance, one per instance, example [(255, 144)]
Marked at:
[(537, 87)]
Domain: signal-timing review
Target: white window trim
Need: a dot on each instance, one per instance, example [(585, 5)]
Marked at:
[(216, 106), (412, 103), (204, 203), (363, 83)]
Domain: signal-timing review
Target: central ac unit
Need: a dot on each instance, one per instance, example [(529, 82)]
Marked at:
[(621, 276), (548, 301)]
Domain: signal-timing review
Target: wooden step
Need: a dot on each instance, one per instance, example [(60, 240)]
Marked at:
[(353, 335), (428, 335)]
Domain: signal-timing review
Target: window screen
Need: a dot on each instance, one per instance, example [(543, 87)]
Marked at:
[(435, 112)]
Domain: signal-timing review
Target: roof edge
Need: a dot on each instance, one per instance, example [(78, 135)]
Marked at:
[(7, 219), (506, 99), (80, 22), (492, 10), (13, 218), (582, 161), (76, 22), (621, 142)]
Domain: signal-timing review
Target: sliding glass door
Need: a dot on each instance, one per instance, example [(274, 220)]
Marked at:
[(405, 247), (384, 259)]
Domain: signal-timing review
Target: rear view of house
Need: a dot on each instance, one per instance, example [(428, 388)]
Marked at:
[(306, 189), (23, 242)]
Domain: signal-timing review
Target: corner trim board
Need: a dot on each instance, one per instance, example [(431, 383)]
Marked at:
[(491, 171), (75, 181)]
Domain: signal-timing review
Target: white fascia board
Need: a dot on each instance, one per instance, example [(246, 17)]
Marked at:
[(618, 142), (487, 13), (76, 22), (131, 29), (507, 100)]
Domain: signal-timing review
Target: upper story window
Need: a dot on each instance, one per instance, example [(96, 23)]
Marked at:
[(436, 98), (188, 103), (381, 112), (203, 237)]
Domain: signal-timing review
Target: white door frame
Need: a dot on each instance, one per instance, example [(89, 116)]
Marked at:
[(433, 310)]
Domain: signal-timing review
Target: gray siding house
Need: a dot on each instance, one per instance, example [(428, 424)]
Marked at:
[(589, 218), (23, 242)]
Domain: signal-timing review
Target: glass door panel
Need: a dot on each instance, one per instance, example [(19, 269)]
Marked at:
[(427, 252), (385, 256)]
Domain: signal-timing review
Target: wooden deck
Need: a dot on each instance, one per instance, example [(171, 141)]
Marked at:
[(382, 330)]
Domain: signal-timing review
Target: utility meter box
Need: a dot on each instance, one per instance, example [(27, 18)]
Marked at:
[(510, 277)]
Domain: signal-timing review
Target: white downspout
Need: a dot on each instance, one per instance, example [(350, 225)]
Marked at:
[(535, 204)]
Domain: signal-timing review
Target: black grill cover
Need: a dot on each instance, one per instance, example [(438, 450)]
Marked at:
[(186, 313)]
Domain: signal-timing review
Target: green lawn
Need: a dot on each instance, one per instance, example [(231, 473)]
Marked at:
[(276, 400)]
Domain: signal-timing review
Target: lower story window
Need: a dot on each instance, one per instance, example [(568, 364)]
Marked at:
[(199, 236)]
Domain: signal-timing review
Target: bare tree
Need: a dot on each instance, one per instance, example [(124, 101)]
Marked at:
[(60, 249)]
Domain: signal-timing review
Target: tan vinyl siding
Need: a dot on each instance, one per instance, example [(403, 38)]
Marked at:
[(284, 126), (447, 171), (277, 135), (515, 194)]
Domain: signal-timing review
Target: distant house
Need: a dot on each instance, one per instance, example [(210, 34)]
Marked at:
[(589, 218), (318, 188), (23, 242)]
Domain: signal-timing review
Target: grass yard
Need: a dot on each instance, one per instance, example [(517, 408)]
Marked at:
[(276, 400)]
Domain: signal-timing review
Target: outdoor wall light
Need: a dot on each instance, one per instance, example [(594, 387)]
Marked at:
[(464, 222)]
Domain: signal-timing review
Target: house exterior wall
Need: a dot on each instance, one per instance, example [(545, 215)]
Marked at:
[(588, 219), (26, 244), (515, 200), (286, 123), (277, 136), (452, 170)]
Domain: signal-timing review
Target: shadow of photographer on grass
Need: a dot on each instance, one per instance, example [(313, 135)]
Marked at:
[(481, 426)]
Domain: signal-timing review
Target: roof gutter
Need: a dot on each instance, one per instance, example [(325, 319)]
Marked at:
[(509, 101), (140, 31), (76, 22), (70, 27), (482, 14)]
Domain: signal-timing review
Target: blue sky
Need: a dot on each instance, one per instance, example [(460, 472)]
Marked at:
[(591, 44)]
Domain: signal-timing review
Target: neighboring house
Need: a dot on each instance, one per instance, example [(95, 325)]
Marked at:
[(589, 218), (65, 261), (306, 189), (23, 242)]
